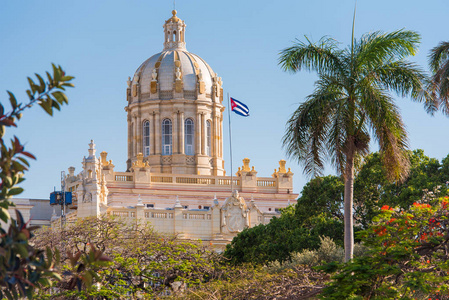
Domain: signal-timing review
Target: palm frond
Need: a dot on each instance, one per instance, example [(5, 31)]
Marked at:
[(322, 57), (307, 131), (438, 56), (439, 83), (378, 47), (337, 137), (389, 130), (406, 79)]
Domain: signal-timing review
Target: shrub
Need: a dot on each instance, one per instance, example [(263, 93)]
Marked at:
[(407, 256)]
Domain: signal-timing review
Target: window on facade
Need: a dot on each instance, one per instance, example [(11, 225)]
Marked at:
[(208, 138), (166, 137), (146, 138), (188, 136)]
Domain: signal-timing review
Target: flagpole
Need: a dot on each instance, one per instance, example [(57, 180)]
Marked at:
[(230, 141)]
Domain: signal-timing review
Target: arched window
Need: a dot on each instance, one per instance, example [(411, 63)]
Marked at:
[(146, 138), (174, 36), (208, 138), (188, 136), (166, 137)]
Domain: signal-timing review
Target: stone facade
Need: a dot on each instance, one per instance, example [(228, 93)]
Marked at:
[(175, 178)]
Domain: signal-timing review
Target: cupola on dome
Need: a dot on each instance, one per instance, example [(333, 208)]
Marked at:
[(174, 72)]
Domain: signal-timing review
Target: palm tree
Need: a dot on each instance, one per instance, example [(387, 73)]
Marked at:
[(439, 84), (351, 100)]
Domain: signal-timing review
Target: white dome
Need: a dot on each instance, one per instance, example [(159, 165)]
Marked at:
[(166, 71)]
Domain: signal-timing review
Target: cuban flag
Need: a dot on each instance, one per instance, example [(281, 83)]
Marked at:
[(239, 108)]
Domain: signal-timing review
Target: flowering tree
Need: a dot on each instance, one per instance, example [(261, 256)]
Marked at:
[(408, 257)]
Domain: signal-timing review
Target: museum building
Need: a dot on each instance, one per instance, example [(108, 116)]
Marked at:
[(175, 178)]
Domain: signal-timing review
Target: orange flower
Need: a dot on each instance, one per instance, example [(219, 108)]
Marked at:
[(386, 207)]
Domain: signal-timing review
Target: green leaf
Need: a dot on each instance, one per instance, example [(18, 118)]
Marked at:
[(50, 79), (15, 191), (47, 107), (87, 278), (67, 78), (55, 105), (24, 161), (58, 257), (4, 214), (12, 100), (7, 181), (33, 86), (22, 249), (60, 97), (30, 95), (49, 256), (56, 74), (41, 82)]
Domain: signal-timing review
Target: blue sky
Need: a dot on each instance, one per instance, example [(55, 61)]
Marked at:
[(101, 43)]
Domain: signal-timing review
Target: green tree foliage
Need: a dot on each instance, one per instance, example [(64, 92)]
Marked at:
[(317, 213), (143, 262), (372, 189), (24, 268), (351, 98), (407, 257)]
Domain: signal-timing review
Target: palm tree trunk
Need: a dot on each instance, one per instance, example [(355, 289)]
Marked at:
[(348, 199)]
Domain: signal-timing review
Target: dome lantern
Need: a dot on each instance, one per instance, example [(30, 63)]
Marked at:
[(174, 29)]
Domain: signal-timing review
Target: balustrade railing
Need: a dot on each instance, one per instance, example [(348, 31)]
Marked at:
[(123, 214), (195, 180), (217, 181), (163, 179), (266, 183), (123, 178)]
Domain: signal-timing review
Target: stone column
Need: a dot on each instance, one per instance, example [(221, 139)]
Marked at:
[(153, 134), (216, 137), (181, 133), (139, 135), (136, 135), (198, 131), (157, 135), (175, 133), (221, 134), (203, 134), (130, 137)]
